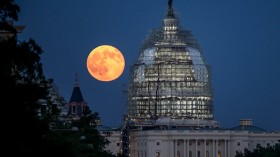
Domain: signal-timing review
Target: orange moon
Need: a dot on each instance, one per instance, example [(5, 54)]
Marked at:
[(105, 63)]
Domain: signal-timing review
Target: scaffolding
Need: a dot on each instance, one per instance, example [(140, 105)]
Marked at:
[(170, 78)]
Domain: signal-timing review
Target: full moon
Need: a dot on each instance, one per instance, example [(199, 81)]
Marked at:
[(105, 63)]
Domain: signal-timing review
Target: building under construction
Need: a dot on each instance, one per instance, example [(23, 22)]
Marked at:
[(170, 102), (170, 81)]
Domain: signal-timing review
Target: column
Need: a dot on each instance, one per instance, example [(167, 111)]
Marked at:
[(213, 147), (184, 148), (229, 153), (175, 149), (195, 147), (170, 147), (216, 148), (205, 147), (188, 148), (225, 148)]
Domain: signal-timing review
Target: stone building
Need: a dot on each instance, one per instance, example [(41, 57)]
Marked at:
[(170, 102)]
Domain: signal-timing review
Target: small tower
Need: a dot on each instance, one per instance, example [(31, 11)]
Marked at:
[(76, 105)]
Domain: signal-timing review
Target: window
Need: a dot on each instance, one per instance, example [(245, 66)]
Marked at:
[(84, 108), (157, 154), (190, 153), (198, 153), (73, 109), (238, 143), (219, 153), (158, 143), (118, 144), (178, 154)]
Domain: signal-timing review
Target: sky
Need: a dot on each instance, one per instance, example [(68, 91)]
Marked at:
[(240, 40)]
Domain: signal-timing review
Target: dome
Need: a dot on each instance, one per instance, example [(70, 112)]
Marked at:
[(246, 125), (170, 78)]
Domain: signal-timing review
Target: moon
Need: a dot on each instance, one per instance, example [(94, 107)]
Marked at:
[(105, 63)]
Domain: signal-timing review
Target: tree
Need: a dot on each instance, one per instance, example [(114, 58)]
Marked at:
[(24, 85), (270, 151), (24, 131), (93, 142), (8, 10)]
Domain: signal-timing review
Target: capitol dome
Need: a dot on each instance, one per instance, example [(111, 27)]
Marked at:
[(170, 78)]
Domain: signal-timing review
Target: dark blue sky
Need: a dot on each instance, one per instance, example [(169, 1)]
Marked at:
[(240, 40)]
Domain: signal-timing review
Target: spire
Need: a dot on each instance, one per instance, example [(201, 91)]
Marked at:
[(76, 81), (170, 12), (170, 22), (170, 4), (76, 94)]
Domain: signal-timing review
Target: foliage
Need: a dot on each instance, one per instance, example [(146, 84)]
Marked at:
[(25, 132), (8, 10), (24, 85), (270, 151), (91, 139)]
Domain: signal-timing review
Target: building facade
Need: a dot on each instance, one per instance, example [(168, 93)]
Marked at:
[(185, 142), (170, 102)]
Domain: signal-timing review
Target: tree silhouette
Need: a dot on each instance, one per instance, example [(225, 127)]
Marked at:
[(269, 151), (24, 131), (8, 10)]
